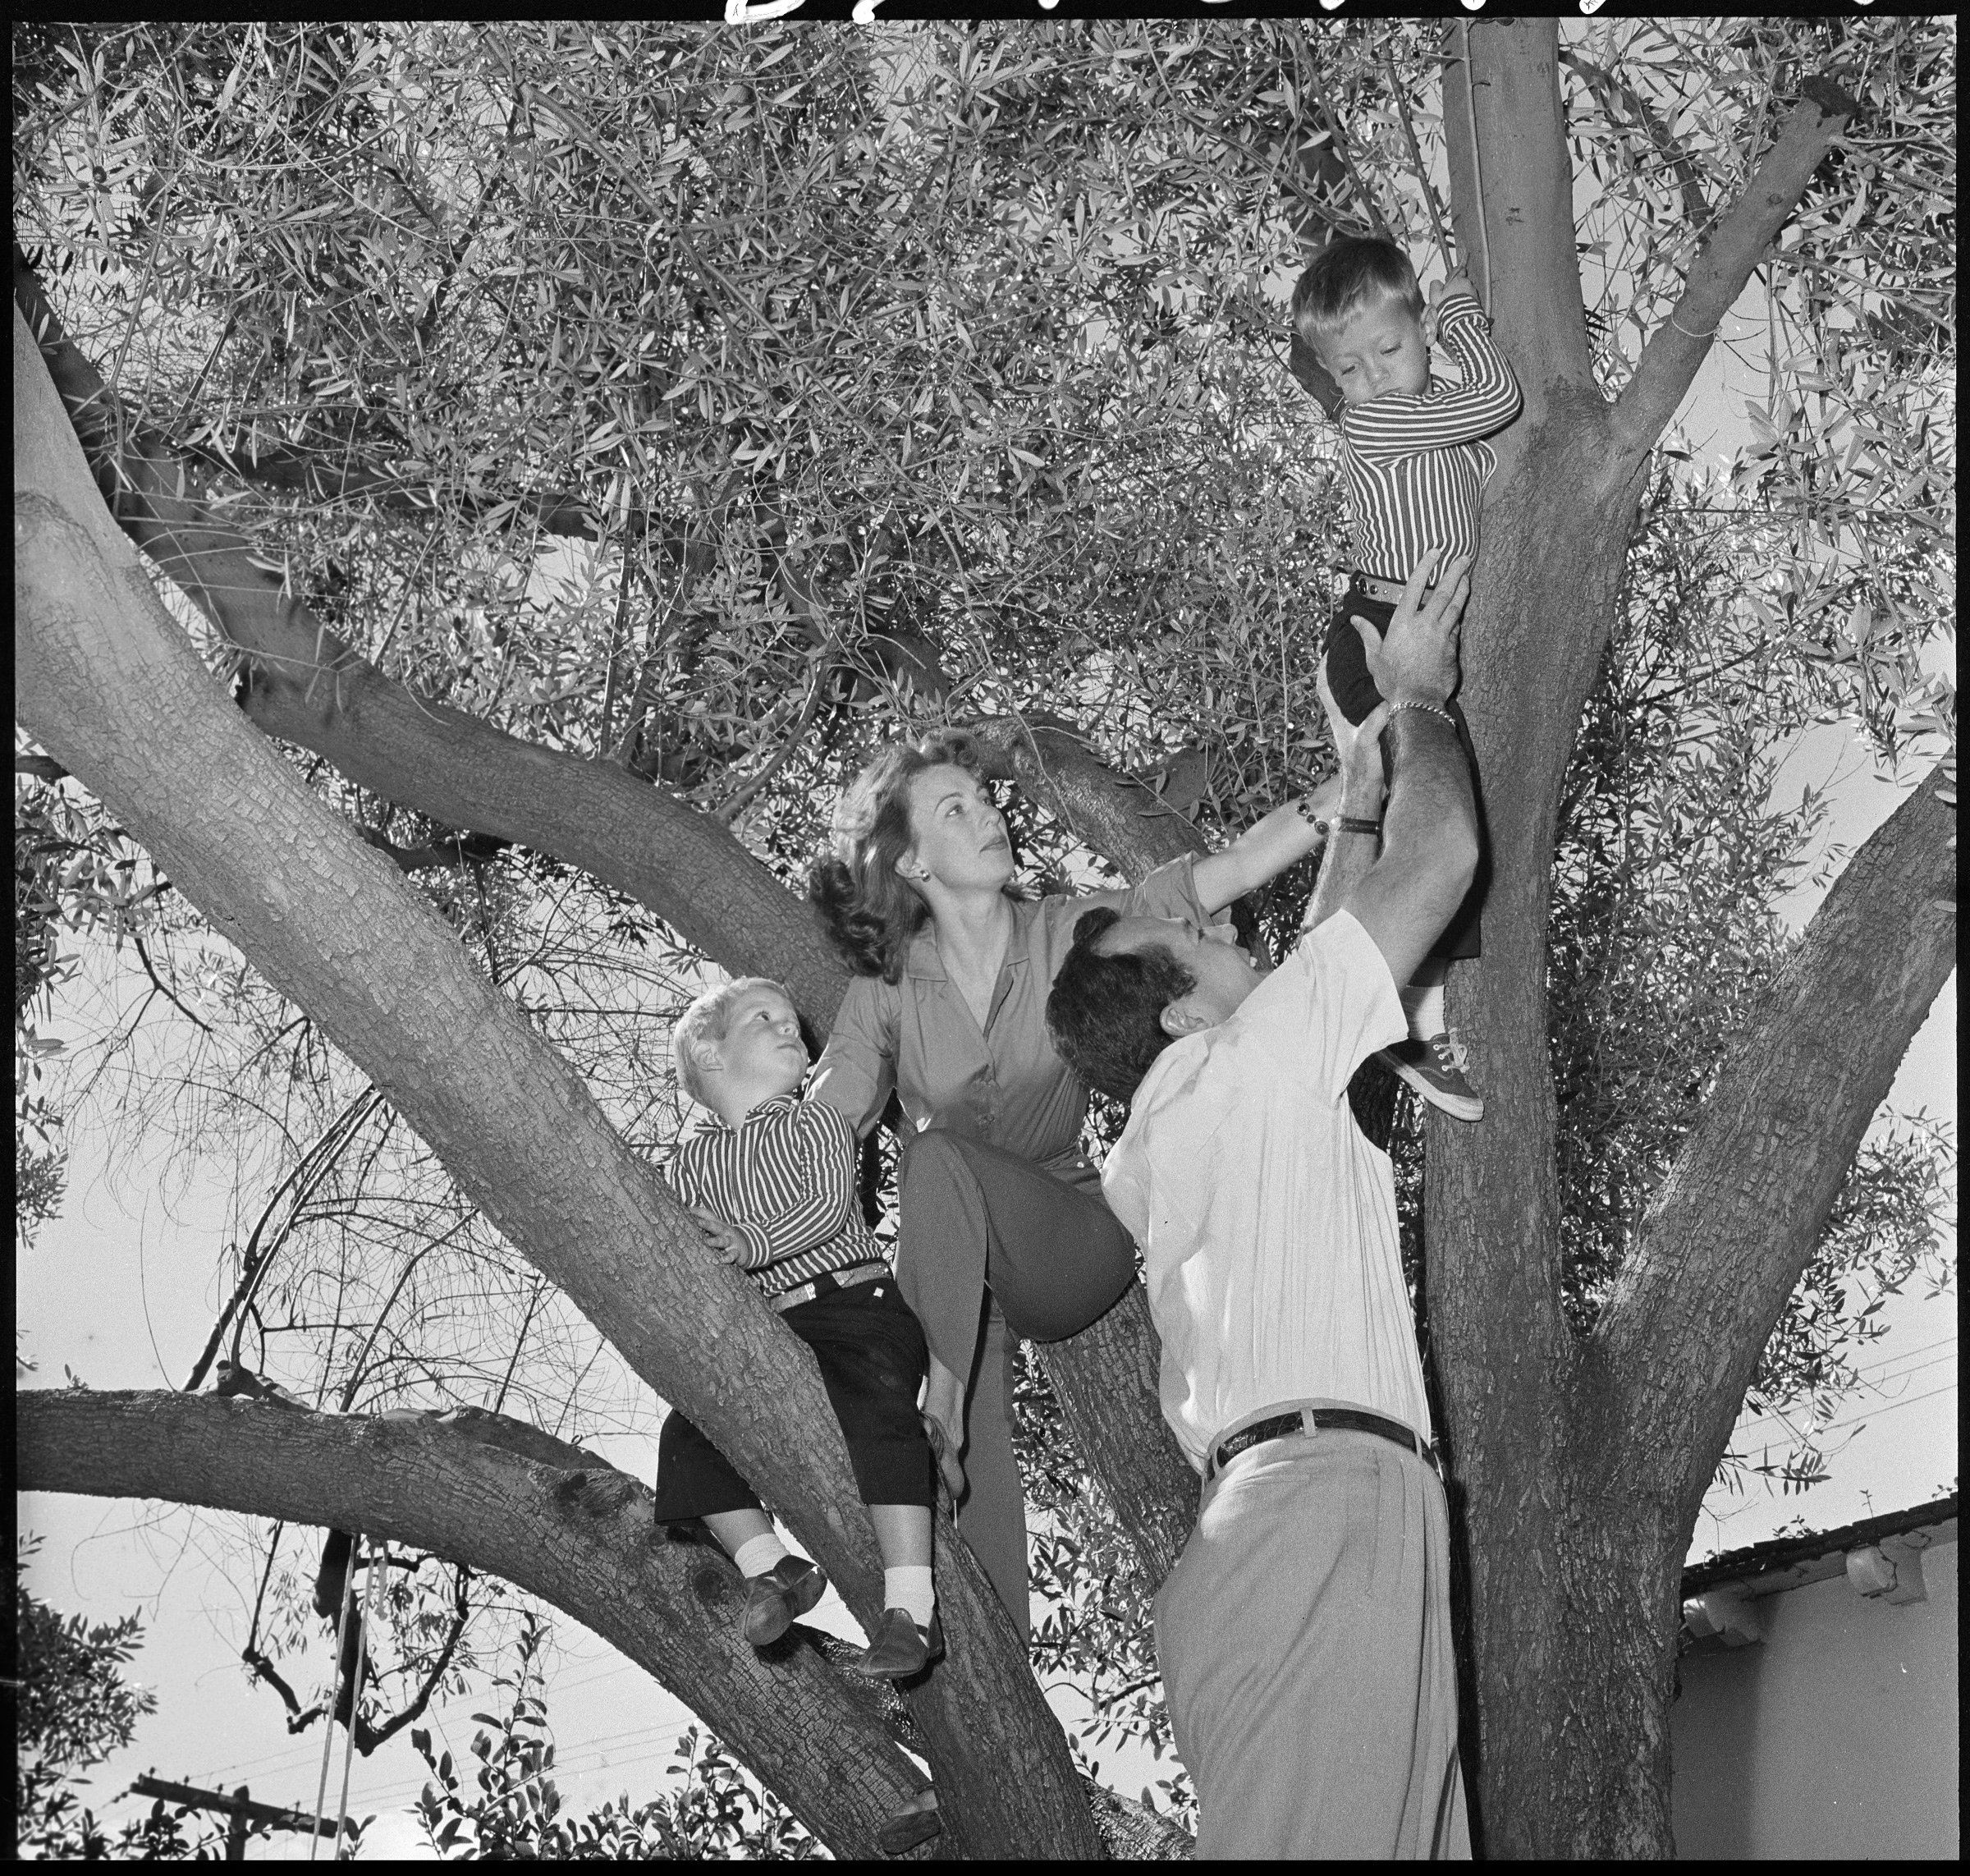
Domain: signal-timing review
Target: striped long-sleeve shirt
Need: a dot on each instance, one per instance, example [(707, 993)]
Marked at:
[(785, 1177), (1416, 467)]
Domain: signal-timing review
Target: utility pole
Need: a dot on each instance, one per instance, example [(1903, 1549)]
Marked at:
[(241, 1811)]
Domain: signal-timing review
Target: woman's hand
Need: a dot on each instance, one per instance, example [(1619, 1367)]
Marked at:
[(727, 1240)]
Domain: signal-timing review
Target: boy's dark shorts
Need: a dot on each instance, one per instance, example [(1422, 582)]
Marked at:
[(1355, 696), (873, 1359)]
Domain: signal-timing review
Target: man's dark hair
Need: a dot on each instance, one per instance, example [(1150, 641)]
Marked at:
[(1348, 274), (1104, 1013)]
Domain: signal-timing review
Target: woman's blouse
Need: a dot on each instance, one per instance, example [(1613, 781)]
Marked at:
[(1004, 1085)]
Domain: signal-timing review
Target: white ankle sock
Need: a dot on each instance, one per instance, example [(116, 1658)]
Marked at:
[(908, 1587), (1423, 1004), (757, 1555)]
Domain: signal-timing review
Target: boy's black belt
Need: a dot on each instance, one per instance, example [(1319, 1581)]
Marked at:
[(1308, 1420), (826, 1281)]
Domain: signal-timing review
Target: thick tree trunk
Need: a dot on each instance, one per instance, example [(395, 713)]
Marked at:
[(107, 684), (580, 1540), (1575, 1505)]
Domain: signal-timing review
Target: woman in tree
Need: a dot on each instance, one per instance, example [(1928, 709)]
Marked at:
[(1002, 1228)]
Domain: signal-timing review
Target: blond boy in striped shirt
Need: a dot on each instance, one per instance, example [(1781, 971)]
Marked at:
[(771, 1180), (1414, 462)]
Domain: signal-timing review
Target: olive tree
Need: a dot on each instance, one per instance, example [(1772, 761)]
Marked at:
[(541, 459)]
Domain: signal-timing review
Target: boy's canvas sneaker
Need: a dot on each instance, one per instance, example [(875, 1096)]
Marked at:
[(1434, 1067), (790, 1588)]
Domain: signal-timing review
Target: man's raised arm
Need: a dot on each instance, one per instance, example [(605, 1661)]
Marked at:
[(1429, 833)]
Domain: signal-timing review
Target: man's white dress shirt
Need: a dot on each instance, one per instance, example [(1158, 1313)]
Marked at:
[(1266, 1220)]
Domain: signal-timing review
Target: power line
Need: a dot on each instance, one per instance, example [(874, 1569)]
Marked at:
[(1947, 1388), (302, 1755), (564, 1768), (1780, 1416)]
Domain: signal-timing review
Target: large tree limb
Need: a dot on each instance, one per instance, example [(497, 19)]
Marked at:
[(580, 1540), (1678, 345), (1738, 1217), (110, 687), (1121, 819)]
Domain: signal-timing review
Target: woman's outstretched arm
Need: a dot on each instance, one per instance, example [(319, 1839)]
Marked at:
[(1267, 847)]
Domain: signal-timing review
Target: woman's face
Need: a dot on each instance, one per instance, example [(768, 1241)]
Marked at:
[(957, 837)]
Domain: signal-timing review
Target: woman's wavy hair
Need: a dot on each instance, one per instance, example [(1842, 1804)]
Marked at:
[(868, 910)]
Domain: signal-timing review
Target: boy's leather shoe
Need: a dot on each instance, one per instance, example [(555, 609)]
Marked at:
[(916, 1824), (790, 1588), (899, 1648)]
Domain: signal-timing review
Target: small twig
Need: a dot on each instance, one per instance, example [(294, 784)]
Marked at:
[(369, 1738), (1347, 163), (145, 958), (1422, 175), (254, 1264), (730, 807)]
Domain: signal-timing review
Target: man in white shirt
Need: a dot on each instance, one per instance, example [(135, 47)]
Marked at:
[(1304, 1635)]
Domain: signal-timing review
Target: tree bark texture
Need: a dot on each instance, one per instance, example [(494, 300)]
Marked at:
[(110, 687), (580, 1539)]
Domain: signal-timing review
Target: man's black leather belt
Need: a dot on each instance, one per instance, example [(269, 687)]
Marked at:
[(1306, 1419)]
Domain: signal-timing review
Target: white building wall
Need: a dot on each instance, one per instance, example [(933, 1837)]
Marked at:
[(1835, 1736)]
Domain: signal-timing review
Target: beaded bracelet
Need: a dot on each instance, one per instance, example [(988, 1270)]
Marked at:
[(1433, 710)]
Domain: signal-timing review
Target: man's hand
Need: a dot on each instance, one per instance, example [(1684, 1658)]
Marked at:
[(727, 1240), (1415, 661)]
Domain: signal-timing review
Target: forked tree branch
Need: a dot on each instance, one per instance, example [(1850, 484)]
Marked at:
[(1739, 1215), (1669, 360)]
